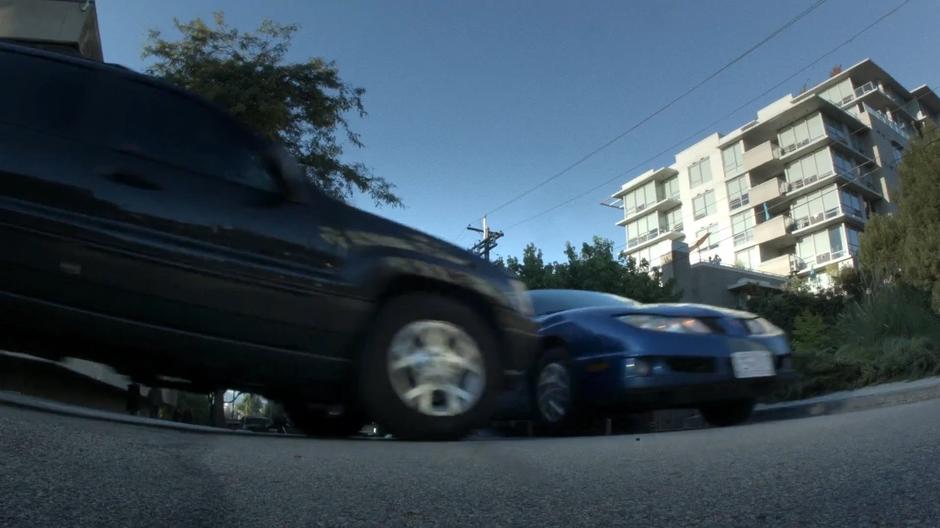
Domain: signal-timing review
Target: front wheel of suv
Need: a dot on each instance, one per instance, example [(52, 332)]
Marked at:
[(430, 368)]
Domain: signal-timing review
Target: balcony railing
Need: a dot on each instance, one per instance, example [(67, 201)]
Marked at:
[(652, 234), (806, 221), (900, 128), (782, 265), (761, 155), (824, 258)]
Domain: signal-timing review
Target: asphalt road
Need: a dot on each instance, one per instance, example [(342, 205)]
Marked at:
[(873, 468)]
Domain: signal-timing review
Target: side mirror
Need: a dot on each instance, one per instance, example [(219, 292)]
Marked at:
[(291, 174)]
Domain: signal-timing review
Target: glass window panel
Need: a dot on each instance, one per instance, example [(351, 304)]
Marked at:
[(835, 239), (801, 131), (706, 170), (815, 126), (787, 137), (794, 172), (830, 200)]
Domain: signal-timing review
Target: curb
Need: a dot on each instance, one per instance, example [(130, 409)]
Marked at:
[(16, 399), (887, 395)]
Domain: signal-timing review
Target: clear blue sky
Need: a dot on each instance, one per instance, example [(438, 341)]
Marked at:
[(472, 102)]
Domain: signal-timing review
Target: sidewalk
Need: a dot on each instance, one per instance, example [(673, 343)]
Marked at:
[(884, 395)]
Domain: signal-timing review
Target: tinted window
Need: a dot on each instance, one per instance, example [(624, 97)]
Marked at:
[(44, 95), (167, 126), (550, 301)]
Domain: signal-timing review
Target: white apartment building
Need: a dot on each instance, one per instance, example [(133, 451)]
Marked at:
[(788, 192)]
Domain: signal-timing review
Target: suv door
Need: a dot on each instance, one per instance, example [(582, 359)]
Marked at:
[(219, 249), (49, 211)]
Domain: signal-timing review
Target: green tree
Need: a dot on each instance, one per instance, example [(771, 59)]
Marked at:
[(303, 105), (249, 405), (594, 267), (532, 269), (919, 215), (811, 333), (880, 251)]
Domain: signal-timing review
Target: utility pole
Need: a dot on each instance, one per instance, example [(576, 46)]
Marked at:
[(488, 242)]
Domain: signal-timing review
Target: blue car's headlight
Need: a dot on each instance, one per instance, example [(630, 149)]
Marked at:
[(761, 326), (679, 325)]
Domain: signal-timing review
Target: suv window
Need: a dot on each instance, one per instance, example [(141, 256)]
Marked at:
[(43, 94), (169, 127)]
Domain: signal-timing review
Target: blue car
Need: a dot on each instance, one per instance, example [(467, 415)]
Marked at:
[(608, 354)]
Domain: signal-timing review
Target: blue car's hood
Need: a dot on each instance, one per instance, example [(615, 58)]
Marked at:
[(665, 309)]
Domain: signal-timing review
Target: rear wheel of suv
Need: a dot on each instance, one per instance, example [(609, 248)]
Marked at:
[(430, 368), (727, 413)]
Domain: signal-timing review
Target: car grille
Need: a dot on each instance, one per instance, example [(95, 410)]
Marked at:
[(699, 365)]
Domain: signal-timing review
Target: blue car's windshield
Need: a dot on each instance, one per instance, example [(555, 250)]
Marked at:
[(546, 302)]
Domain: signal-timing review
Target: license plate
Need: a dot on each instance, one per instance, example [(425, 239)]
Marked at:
[(753, 364)]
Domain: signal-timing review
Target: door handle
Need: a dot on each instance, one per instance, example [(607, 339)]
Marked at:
[(133, 180)]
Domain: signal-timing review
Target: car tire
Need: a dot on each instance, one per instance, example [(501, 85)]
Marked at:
[(430, 368), (320, 422), (726, 413), (553, 396)]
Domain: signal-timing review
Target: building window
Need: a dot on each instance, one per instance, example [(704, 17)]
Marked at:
[(839, 94), (671, 220), (854, 244), (703, 204), (821, 247), (852, 204), (639, 199), (671, 188), (642, 229), (733, 159), (714, 237), (809, 168), (747, 258), (836, 131), (700, 172), (815, 207), (742, 228), (801, 133), (737, 192)]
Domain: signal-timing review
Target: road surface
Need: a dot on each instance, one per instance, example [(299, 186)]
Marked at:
[(873, 468)]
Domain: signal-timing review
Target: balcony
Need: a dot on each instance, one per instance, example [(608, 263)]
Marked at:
[(764, 159), (769, 191), (902, 130), (661, 205), (823, 259), (654, 237), (782, 265), (776, 232), (818, 220)]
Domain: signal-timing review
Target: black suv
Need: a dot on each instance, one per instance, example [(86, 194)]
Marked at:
[(144, 228)]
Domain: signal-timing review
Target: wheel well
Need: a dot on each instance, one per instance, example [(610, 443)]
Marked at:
[(412, 284)]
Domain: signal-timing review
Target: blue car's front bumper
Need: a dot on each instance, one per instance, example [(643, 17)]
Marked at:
[(677, 378)]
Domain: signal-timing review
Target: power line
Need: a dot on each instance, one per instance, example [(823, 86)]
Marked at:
[(661, 109), (710, 126)]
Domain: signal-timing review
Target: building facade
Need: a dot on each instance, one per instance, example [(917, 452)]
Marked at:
[(789, 192)]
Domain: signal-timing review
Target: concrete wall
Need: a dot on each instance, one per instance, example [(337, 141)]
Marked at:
[(708, 283), (59, 25)]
